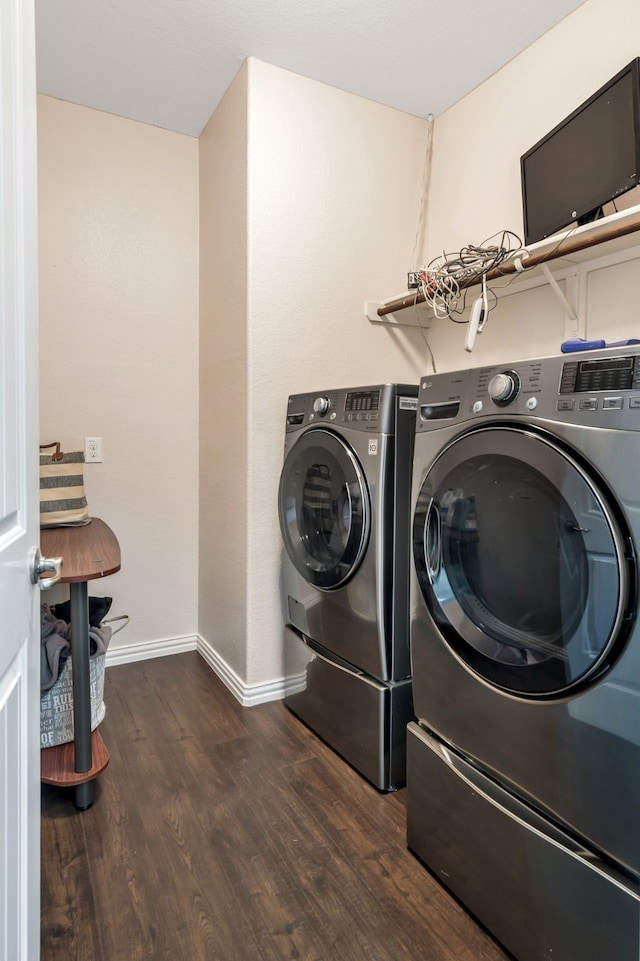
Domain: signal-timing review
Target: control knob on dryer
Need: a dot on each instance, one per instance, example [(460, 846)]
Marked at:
[(504, 387), (321, 405)]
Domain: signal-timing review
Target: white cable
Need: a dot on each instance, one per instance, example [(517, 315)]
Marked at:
[(517, 257), (424, 334), (444, 278), (424, 197)]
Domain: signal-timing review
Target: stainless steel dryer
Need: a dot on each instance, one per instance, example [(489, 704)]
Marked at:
[(344, 515), (523, 769)]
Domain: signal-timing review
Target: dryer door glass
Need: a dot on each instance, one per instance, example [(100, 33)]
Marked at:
[(521, 560), (324, 509)]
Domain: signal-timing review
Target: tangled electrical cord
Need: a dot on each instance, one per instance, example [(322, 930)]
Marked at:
[(444, 280)]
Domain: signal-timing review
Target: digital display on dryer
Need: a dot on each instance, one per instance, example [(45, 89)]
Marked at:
[(610, 374), (359, 400)]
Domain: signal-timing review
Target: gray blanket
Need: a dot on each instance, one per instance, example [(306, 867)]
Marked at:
[(55, 645)]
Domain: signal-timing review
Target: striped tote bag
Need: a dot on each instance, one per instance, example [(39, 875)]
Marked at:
[(63, 502)]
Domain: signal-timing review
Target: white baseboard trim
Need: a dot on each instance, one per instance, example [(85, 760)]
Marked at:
[(149, 649), (247, 694)]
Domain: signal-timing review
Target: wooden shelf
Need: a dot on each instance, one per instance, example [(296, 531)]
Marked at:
[(57, 763), (572, 246), (88, 553)]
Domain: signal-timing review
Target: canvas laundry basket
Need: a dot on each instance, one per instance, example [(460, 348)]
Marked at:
[(56, 706), (56, 702)]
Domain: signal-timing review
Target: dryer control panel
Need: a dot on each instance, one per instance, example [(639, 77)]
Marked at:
[(369, 409), (596, 388)]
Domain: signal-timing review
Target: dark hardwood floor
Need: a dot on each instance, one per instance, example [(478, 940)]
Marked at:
[(222, 833)]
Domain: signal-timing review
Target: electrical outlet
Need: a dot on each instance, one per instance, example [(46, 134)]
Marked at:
[(93, 450), (413, 279)]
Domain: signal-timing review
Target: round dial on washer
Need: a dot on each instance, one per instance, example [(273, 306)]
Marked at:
[(504, 387), (321, 405)]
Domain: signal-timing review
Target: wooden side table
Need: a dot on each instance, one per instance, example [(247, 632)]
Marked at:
[(88, 552)]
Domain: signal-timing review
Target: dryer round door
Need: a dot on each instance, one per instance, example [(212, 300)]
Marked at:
[(522, 563), (324, 509)]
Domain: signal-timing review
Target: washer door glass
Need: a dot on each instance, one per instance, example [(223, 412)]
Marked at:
[(324, 509), (520, 560)]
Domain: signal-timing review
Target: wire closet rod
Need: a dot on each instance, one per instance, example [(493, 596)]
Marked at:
[(617, 225)]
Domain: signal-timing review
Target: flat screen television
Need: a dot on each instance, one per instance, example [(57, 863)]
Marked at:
[(589, 159)]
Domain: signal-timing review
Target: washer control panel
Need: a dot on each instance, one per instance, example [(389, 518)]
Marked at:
[(599, 388)]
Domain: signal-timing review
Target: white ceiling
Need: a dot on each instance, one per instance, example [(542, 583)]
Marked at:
[(169, 62)]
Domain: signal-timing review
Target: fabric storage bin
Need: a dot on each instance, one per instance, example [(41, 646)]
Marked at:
[(56, 698), (56, 705)]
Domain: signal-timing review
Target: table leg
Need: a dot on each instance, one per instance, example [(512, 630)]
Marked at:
[(79, 599)]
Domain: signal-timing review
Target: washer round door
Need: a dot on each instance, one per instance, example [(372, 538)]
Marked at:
[(522, 562), (324, 509)]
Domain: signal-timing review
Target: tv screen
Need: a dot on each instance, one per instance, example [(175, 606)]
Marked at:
[(590, 158)]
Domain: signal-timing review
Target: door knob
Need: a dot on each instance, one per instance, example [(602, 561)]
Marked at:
[(44, 565)]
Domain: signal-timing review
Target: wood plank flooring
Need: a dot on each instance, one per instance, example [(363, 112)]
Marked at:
[(222, 833)]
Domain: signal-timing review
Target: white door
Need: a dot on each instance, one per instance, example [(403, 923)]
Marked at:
[(19, 532)]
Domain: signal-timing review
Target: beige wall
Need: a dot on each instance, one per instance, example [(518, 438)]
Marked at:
[(479, 141), (309, 206), (475, 190), (333, 208), (224, 374), (118, 210)]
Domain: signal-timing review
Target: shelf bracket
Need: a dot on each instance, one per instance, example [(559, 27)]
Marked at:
[(573, 322), (371, 311)]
